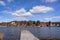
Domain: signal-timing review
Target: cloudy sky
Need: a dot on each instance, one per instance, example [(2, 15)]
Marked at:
[(43, 10)]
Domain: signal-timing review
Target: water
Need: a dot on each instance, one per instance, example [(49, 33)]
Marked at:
[(11, 33)]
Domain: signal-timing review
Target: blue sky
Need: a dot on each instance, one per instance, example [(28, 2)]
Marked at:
[(43, 10)]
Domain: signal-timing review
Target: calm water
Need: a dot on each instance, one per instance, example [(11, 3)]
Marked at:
[(11, 33)]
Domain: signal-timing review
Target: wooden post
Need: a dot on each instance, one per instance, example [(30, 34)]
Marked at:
[(1, 36)]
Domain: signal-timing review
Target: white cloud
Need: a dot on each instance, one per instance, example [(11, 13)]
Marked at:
[(0, 17), (6, 11), (2, 3), (20, 19), (21, 12), (47, 19), (16, 19), (50, 1), (52, 18), (41, 9), (57, 17), (10, 1)]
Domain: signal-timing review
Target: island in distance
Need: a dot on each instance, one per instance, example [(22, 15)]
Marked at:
[(29, 24)]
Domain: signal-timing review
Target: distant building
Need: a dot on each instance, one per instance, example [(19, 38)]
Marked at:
[(54, 24), (13, 23), (43, 24)]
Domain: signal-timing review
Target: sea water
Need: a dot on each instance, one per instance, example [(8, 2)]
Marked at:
[(14, 33)]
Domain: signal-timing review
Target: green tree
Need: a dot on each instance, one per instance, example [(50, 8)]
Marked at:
[(37, 23)]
